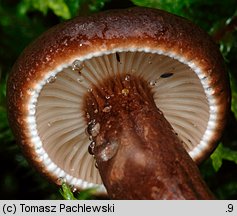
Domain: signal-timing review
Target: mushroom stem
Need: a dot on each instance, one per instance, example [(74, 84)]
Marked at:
[(138, 154)]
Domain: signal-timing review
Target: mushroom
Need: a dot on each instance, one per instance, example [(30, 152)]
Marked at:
[(126, 101)]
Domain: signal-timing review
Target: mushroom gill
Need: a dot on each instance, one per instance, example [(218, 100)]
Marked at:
[(178, 89)]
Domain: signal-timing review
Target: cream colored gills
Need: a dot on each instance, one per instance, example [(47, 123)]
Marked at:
[(60, 119)]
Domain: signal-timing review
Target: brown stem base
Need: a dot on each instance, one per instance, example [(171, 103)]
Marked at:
[(139, 156)]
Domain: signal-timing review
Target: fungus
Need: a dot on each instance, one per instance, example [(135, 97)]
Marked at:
[(139, 93)]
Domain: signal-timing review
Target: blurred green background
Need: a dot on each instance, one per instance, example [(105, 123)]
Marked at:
[(23, 20)]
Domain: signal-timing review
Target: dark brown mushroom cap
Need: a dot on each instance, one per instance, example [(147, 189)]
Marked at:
[(136, 29)]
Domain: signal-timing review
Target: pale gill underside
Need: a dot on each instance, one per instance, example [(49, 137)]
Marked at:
[(60, 118)]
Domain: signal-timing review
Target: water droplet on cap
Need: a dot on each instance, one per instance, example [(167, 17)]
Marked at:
[(108, 150), (77, 66), (89, 126), (93, 128), (91, 148), (51, 79)]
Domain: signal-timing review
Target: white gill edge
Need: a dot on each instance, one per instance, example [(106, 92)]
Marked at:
[(79, 183)]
